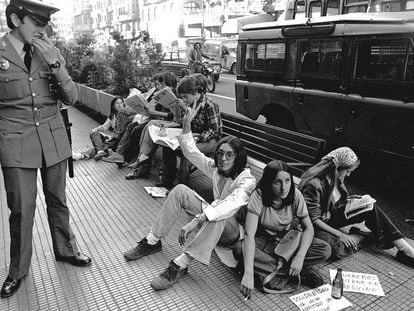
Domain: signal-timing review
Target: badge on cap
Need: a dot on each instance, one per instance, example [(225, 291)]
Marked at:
[(4, 64)]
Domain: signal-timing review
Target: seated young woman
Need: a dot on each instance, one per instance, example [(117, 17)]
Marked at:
[(232, 184), (326, 196), (275, 207), (106, 135)]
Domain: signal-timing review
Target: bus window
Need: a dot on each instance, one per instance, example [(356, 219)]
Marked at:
[(315, 9), (384, 60), (332, 7), (265, 57), (355, 6), (319, 59), (391, 6), (300, 10)]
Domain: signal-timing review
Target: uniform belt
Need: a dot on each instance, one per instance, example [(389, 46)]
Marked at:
[(39, 114)]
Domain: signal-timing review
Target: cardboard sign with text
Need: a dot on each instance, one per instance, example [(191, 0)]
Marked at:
[(360, 283), (319, 299)]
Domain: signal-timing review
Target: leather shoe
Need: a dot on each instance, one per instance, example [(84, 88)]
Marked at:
[(10, 286), (142, 171), (79, 260), (405, 259)]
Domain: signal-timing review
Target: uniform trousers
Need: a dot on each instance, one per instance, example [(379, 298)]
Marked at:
[(21, 190)]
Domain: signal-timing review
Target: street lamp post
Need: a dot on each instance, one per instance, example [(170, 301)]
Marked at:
[(202, 19)]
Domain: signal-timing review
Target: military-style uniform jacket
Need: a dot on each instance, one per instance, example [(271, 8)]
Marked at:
[(30, 119)]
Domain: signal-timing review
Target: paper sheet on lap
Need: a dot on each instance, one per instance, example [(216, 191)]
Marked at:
[(165, 136)]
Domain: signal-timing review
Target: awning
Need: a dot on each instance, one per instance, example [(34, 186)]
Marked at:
[(234, 25)]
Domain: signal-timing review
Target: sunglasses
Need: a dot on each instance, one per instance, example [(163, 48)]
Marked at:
[(229, 154)]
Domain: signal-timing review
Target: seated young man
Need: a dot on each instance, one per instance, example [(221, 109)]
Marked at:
[(206, 126), (232, 185)]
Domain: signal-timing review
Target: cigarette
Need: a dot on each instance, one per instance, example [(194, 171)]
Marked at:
[(247, 297)]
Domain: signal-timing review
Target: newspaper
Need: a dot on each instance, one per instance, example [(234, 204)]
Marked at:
[(165, 136), (157, 192), (138, 103), (165, 97), (358, 204)]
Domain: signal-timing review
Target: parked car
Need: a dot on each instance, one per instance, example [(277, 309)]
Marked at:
[(175, 61)]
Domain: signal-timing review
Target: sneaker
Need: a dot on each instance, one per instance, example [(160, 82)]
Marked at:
[(168, 277), (114, 158), (142, 171), (311, 278), (99, 155), (142, 249)]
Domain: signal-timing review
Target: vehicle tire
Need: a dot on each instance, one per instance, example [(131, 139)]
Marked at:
[(216, 77), (233, 69), (211, 83)]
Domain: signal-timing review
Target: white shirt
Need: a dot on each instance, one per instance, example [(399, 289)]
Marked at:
[(234, 194)]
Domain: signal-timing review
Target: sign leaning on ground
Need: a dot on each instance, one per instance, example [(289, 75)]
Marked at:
[(360, 283), (319, 299)]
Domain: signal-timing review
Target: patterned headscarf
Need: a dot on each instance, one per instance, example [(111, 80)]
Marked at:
[(342, 157)]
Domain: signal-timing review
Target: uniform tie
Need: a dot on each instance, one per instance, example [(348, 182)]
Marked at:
[(28, 56)]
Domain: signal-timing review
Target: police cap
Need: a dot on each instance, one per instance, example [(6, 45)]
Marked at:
[(38, 11)]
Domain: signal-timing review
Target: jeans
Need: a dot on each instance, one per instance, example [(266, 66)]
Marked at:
[(383, 230), (126, 134), (265, 260), (99, 141), (169, 159), (131, 148), (211, 233)]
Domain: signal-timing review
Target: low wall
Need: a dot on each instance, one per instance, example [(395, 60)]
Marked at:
[(96, 100)]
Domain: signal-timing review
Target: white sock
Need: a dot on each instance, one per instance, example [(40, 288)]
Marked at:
[(142, 157), (152, 239), (183, 260)]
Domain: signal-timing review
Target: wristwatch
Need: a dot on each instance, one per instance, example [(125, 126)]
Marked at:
[(54, 65)]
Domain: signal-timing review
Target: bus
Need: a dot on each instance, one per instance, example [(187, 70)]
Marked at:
[(345, 78)]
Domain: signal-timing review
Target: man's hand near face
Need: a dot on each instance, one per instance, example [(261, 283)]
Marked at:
[(46, 48)]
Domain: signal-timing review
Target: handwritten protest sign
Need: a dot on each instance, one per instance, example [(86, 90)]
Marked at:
[(360, 283), (319, 299)]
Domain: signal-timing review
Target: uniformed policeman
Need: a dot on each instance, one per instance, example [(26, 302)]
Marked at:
[(32, 136)]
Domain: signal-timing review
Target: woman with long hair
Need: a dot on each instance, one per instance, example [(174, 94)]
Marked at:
[(104, 135), (232, 185), (275, 207), (328, 202)]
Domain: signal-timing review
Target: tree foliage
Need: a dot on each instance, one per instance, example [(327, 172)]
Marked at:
[(113, 68)]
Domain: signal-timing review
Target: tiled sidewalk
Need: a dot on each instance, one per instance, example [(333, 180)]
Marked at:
[(109, 214)]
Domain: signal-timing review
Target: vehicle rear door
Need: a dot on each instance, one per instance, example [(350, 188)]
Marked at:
[(317, 99)]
